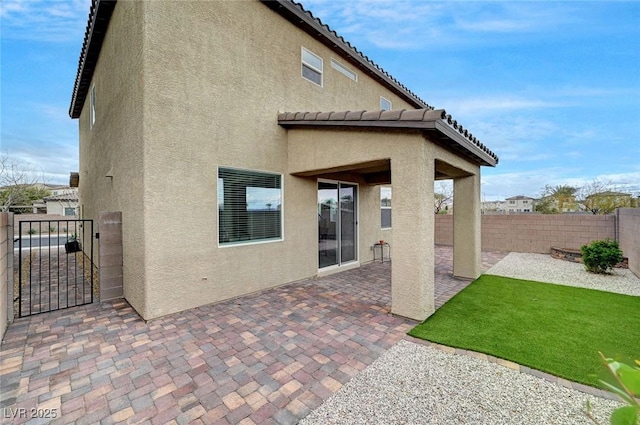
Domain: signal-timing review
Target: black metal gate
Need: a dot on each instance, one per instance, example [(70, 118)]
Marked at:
[(55, 265)]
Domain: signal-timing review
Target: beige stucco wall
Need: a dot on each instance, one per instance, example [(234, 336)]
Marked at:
[(116, 144), (186, 87)]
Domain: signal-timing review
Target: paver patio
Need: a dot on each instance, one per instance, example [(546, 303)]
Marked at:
[(270, 357)]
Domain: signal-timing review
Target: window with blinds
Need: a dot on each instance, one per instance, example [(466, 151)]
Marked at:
[(249, 206)]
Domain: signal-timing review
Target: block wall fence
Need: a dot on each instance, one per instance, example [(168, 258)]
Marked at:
[(629, 236), (537, 233)]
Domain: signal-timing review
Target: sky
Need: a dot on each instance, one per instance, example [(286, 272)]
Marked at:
[(552, 87)]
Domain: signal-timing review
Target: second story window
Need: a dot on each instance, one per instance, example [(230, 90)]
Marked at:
[(311, 67), (385, 104), (92, 106), (343, 70)]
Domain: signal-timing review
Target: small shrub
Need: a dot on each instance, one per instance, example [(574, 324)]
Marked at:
[(32, 231), (52, 229), (601, 256)]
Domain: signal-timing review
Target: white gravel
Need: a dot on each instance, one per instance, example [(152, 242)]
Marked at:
[(416, 384), (544, 268)]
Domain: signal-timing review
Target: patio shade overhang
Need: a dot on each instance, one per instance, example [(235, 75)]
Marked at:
[(436, 124)]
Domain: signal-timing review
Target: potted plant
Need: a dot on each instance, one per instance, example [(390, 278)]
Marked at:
[(72, 244)]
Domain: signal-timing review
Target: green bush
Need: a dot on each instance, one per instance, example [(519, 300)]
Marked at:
[(601, 256)]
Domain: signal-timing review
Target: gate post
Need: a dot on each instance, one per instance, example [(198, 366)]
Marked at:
[(6, 271), (110, 248)]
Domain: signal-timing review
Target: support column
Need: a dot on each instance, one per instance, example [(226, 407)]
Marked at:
[(412, 270), (467, 255), (110, 243)]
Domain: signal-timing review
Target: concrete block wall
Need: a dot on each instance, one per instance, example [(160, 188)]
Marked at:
[(629, 236), (110, 248), (6, 271), (535, 233)]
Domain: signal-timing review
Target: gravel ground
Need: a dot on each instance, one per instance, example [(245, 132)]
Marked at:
[(415, 384), (544, 268)]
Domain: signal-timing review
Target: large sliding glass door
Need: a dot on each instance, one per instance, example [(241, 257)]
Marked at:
[(337, 223)]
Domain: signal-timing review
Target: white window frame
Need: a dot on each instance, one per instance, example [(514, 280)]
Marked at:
[(344, 70), (257, 241), (382, 101), (311, 66), (386, 207), (92, 106)]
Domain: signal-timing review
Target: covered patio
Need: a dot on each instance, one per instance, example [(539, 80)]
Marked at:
[(270, 357)]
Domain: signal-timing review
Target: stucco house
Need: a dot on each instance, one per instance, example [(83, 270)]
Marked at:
[(520, 204), (274, 137)]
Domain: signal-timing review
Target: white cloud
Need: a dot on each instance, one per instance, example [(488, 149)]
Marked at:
[(44, 20)]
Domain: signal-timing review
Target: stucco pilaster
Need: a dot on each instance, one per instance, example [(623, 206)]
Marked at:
[(412, 273), (467, 260)]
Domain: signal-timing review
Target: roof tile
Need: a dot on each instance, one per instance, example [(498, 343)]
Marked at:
[(338, 116), (371, 116), (413, 115), (354, 115), (392, 115)]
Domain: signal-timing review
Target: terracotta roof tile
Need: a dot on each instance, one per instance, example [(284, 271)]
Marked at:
[(354, 115), (371, 116)]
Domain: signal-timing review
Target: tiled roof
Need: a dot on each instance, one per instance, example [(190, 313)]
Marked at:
[(519, 198), (99, 16), (444, 129), (72, 196)]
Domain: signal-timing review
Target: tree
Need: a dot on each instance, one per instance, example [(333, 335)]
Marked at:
[(598, 197), (19, 184), (443, 194), (557, 199)]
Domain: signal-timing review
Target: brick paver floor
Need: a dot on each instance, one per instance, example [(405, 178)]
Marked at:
[(53, 280), (265, 358)]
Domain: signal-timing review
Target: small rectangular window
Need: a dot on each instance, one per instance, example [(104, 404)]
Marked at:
[(343, 70), (92, 106), (385, 207), (385, 104), (311, 67), (249, 206)]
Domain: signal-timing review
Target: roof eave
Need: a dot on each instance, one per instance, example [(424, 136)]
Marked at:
[(313, 26), (99, 17), (458, 141)]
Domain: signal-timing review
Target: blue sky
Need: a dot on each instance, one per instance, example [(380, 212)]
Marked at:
[(552, 87)]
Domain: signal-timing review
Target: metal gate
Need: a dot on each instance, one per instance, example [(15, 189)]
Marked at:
[(55, 265)]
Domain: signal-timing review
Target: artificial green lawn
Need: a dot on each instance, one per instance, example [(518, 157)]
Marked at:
[(554, 328)]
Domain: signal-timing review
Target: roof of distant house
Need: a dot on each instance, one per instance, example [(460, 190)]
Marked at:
[(71, 196), (609, 193), (520, 198)]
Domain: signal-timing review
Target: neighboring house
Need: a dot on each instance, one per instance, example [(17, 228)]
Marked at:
[(194, 124), (65, 202), (606, 202), (493, 207), (520, 204)]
